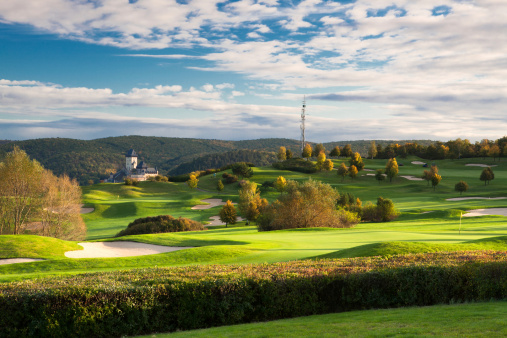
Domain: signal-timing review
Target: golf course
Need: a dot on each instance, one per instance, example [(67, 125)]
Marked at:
[(431, 220)]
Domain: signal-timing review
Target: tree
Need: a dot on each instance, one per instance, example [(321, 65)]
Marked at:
[(30, 194), (379, 175), (242, 169), (461, 186), (328, 165), (228, 213), (282, 154), (335, 152), (288, 154), (347, 151), (373, 150), (391, 169), (353, 171), (304, 205), (192, 182), (321, 158), (319, 148), (494, 151), (435, 180), (357, 161), (342, 171), (428, 174), (220, 185), (487, 175), (307, 151), (386, 209), (281, 183)]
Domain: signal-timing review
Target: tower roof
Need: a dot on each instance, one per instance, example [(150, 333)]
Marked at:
[(131, 153)]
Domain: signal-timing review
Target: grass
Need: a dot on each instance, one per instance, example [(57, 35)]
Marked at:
[(458, 320), (27, 246)]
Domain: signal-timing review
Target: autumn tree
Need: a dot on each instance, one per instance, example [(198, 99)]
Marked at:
[(391, 168), (307, 151), (328, 165), (247, 193), (494, 151), (357, 161), (372, 152), (282, 154), (321, 158), (435, 180), (288, 154), (228, 213), (347, 151), (319, 148), (335, 152), (220, 185), (461, 186), (429, 174), (487, 175), (280, 183), (342, 171), (192, 181), (353, 172), (379, 175), (31, 195)]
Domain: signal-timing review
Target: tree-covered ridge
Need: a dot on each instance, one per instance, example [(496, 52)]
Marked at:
[(218, 160)]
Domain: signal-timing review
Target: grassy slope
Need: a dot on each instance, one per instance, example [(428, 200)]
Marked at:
[(459, 320), (27, 246)]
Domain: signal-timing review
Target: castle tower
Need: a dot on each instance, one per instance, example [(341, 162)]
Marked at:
[(130, 160)]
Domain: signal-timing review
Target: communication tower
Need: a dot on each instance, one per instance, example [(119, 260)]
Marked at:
[(303, 117)]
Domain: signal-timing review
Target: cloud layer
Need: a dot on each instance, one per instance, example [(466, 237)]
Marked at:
[(422, 69)]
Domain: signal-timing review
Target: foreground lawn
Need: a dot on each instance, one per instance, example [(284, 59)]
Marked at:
[(459, 320)]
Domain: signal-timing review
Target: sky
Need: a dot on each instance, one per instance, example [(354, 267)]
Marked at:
[(236, 70)]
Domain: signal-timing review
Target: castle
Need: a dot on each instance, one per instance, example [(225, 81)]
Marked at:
[(133, 170)]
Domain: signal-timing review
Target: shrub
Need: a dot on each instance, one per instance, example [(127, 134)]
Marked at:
[(229, 178), (386, 209), (296, 164), (158, 224)]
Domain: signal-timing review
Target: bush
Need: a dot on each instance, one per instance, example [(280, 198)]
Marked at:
[(158, 224), (143, 301), (296, 164), (229, 178)]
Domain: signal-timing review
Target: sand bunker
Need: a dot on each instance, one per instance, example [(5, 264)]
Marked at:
[(215, 220), (412, 178), (119, 249), (368, 169), (418, 162), (479, 165), (474, 198), (18, 260), (213, 202), (486, 212)]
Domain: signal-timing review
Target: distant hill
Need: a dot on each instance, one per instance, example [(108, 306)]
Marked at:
[(93, 160), (4, 141)]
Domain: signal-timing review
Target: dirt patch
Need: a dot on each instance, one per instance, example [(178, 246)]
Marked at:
[(213, 202), (119, 249), (486, 212), (18, 260), (474, 198), (418, 162), (479, 165)]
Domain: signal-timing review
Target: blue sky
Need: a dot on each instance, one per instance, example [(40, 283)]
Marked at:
[(370, 69)]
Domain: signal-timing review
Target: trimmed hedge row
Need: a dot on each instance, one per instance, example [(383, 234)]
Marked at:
[(168, 299)]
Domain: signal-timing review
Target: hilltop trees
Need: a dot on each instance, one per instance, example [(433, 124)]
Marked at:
[(391, 169), (347, 151), (30, 195)]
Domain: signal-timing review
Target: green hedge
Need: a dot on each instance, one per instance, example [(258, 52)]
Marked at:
[(168, 299)]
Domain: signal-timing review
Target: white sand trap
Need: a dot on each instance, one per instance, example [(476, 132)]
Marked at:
[(479, 165), (474, 198), (119, 249), (368, 169), (427, 212), (87, 210), (215, 220), (375, 175), (18, 260), (486, 212), (418, 162), (213, 202), (412, 178)]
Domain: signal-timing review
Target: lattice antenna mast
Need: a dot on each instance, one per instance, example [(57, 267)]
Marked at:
[(303, 117)]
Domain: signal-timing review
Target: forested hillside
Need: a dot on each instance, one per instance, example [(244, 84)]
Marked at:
[(93, 160)]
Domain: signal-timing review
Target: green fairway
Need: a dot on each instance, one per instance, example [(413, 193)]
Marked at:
[(459, 320)]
